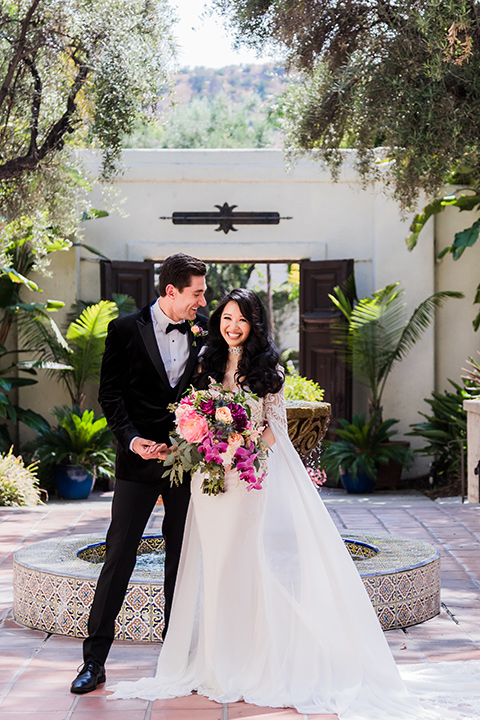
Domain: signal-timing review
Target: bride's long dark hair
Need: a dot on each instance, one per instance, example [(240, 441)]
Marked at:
[(258, 364)]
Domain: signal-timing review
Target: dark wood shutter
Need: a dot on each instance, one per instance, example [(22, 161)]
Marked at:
[(318, 357), (130, 278)]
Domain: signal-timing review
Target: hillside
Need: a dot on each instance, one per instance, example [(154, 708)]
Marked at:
[(234, 106), (237, 82)]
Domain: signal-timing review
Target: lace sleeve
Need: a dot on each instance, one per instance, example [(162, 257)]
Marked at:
[(274, 410)]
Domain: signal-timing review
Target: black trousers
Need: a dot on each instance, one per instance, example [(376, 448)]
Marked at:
[(131, 508)]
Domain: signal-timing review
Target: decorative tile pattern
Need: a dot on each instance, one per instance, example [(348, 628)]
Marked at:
[(402, 577), (54, 584)]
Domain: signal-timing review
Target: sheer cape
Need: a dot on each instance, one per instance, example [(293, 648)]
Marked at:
[(317, 645)]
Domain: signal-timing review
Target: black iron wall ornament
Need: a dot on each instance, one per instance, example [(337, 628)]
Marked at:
[(225, 218)]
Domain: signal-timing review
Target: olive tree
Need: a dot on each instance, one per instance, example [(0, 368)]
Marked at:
[(76, 66), (73, 73), (400, 82), (378, 73)]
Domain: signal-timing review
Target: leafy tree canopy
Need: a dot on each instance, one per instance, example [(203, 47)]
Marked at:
[(210, 123), (72, 73), (76, 66), (379, 73)]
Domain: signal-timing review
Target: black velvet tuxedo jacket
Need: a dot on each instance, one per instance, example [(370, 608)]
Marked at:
[(135, 391)]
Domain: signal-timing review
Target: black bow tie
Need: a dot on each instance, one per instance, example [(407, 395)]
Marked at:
[(181, 327)]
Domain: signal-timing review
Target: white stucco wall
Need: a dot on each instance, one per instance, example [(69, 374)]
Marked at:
[(456, 339), (329, 221)]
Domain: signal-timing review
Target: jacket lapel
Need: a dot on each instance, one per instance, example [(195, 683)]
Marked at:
[(145, 327)]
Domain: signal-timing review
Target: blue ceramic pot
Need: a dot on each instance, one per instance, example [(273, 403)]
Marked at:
[(73, 483), (360, 484)]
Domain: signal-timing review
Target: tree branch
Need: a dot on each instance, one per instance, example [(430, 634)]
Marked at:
[(36, 102), (19, 54), (54, 140)]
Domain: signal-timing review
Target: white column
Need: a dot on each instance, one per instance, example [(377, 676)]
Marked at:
[(473, 440)]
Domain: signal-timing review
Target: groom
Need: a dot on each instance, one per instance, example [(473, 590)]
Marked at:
[(148, 362)]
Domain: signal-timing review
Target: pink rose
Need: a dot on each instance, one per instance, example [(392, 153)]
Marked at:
[(224, 415), (192, 426), (235, 440)]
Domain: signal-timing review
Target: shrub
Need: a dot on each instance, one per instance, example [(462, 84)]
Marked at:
[(444, 430), (298, 387), (18, 484)]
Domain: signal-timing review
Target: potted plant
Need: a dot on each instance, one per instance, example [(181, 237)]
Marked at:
[(377, 334), (308, 417), (80, 447), (77, 357), (363, 446), (375, 337)]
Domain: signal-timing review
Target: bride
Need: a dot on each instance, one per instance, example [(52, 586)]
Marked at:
[(269, 607)]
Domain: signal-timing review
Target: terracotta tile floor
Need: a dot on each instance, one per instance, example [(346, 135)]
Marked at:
[(36, 669)]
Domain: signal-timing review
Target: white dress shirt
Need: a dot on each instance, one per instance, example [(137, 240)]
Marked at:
[(174, 347)]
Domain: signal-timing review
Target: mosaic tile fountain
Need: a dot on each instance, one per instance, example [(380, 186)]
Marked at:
[(54, 583)]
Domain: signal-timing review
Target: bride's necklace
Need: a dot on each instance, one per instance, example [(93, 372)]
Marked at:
[(235, 350)]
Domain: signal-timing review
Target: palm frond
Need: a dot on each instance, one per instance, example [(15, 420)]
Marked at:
[(42, 337), (88, 334), (342, 301), (125, 304), (420, 320), (377, 333), (376, 325), (92, 323)]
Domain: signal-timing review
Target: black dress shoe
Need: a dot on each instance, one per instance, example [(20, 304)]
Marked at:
[(91, 675)]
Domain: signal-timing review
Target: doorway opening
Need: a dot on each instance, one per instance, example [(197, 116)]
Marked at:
[(295, 294)]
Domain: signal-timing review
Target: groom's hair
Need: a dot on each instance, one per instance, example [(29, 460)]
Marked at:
[(177, 270)]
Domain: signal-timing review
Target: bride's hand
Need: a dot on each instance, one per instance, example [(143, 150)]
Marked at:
[(150, 450)]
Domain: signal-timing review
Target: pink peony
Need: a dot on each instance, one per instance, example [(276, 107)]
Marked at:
[(192, 426), (182, 409)]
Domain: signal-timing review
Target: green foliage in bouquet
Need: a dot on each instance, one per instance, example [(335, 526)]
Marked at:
[(18, 484), (214, 433), (184, 458)]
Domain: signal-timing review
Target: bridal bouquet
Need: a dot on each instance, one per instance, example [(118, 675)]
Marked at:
[(214, 433)]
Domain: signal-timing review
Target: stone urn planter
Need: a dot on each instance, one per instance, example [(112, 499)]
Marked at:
[(307, 424)]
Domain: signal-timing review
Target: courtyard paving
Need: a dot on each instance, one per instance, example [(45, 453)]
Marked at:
[(36, 668)]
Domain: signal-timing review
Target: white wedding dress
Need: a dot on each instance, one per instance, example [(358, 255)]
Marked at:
[(270, 608)]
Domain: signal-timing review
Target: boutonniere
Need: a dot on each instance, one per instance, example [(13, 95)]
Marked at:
[(197, 332)]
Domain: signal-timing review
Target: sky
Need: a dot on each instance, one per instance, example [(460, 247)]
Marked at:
[(203, 40)]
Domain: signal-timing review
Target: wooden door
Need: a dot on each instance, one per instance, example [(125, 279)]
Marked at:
[(130, 278), (319, 359)]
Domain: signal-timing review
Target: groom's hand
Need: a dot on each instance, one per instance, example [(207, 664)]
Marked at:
[(149, 449)]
